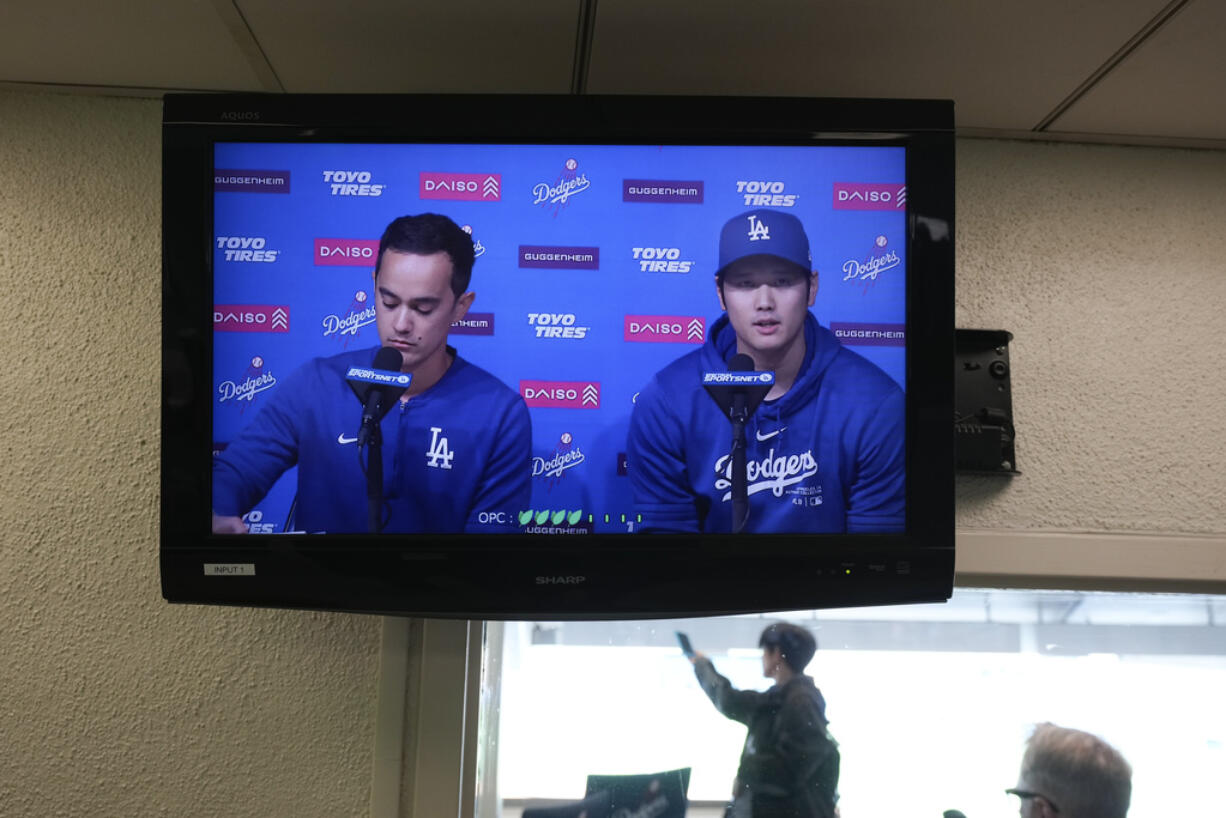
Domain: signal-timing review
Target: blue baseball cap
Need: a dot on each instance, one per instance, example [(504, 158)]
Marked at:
[(764, 232)]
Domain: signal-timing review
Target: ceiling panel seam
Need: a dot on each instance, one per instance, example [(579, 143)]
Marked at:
[(1148, 30), (232, 16)]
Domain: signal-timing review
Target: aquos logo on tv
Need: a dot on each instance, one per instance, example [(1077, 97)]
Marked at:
[(667, 329), (463, 187), (346, 252), (561, 394), (250, 318), (869, 196), (246, 248), (766, 193), (352, 183)]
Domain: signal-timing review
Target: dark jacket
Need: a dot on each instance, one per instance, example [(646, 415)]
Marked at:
[(790, 762)]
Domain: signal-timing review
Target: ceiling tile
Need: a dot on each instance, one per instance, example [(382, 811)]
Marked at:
[(171, 44), (386, 46), (1007, 65), (1174, 84)]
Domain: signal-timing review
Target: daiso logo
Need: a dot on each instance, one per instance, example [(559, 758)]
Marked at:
[(346, 252), (464, 187), (870, 196), (667, 329), (561, 394)]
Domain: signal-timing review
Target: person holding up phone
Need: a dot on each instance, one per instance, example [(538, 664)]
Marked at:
[(790, 763)]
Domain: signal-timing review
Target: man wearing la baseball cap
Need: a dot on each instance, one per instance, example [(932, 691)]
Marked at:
[(825, 448)]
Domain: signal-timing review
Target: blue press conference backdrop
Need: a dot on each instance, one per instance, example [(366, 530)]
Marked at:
[(594, 269)]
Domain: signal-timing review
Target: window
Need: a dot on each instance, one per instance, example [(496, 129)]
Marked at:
[(931, 704)]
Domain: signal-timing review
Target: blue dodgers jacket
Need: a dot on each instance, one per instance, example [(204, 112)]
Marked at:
[(462, 447), (827, 456)]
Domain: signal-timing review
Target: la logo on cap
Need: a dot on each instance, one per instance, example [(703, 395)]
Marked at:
[(757, 230)]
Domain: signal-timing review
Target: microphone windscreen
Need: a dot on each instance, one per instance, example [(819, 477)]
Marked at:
[(388, 358), (953, 813), (740, 363)]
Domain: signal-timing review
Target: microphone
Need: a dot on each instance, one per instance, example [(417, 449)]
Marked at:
[(740, 363), (379, 396)]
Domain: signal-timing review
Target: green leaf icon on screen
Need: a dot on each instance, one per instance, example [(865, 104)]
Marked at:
[(525, 517), (574, 516), (558, 517), (542, 516)]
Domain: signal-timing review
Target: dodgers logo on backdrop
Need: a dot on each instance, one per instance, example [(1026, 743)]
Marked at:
[(463, 187), (250, 318), (667, 329), (250, 181), (352, 183), (346, 252), (561, 394), (570, 182), (661, 260), (346, 326), (478, 247), (878, 260), (247, 249), (757, 230), (773, 473), (566, 456), (556, 325), (766, 194), (869, 196), (242, 390)]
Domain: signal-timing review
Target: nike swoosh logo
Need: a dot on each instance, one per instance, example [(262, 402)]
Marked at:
[(341, 439), (768, 436)]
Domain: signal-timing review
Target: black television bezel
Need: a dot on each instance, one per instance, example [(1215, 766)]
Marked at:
[(527, 576)]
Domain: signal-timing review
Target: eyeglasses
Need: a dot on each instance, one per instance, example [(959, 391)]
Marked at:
[(1026, 795)]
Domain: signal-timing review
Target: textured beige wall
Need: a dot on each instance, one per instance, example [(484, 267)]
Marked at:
[(1106, 263), (113, 702), (1108, 266)]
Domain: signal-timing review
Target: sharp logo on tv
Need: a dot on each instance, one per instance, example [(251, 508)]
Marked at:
[(869, 196), (463, 187), (667, 329), (251, 181), (559, 258), (352, 183), (242, 390), (570, 182), (878, 260), (566, 456), (870, 335), (478, 247), (250, 318), (347, 325), (661, 260), (346, 252), (773, 473), (474, 323), (247, 249), (556, 325), (561, 394), (758, 193), (661, 191)]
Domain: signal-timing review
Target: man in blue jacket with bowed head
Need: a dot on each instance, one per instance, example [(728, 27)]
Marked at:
[(825, 449), (458, 443)]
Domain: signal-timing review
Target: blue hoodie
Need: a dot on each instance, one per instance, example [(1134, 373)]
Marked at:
[(827, 456), (462, 447)]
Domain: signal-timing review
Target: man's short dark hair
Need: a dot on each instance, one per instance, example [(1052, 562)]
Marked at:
[(796, 645), (427, 234)]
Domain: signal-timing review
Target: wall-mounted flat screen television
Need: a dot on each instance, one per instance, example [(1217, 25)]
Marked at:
[(498, 356)]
